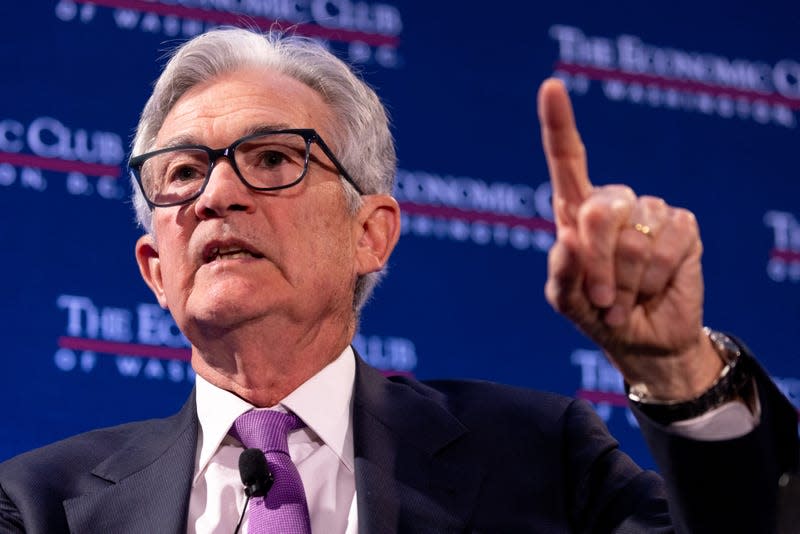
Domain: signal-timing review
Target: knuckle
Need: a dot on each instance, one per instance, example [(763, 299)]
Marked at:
[(685, 219), (662, 259), (594, 213), (632, 246), (651, 203), (621, 190), (616, 200)]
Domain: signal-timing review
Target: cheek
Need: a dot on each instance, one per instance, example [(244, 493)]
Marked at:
[(326, 240), (173, 270), (173, 254)]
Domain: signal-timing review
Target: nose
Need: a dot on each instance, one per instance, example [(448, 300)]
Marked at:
[(224, 193)]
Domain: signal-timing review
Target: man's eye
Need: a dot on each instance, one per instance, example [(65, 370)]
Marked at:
[(273, 158), (184, 173)]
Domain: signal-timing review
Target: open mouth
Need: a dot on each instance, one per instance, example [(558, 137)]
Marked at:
[(217, 251)]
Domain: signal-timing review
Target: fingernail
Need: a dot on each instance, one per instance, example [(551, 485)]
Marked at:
[(615, 316), (602, 295)]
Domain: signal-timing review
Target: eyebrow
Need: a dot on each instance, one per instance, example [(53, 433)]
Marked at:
[(192, 140), (265, 128)]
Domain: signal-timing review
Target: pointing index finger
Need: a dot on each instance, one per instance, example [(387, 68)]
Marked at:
[(564, 150)]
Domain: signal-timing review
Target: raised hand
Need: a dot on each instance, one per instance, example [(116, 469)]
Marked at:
[(625, 269)]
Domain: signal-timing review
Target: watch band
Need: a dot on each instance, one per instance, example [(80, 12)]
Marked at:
[(731, 384)]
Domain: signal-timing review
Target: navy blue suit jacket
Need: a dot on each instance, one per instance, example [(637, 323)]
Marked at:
[(732, 486), (447, 456)]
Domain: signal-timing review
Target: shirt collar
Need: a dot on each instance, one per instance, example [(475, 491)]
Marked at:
[(323, 402)]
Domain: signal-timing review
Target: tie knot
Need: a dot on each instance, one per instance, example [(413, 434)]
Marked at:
[(265, 429)]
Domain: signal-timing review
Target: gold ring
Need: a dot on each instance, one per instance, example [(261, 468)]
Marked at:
[(643, 229)]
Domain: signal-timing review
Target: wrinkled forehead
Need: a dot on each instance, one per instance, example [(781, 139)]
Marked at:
[(231, 105)]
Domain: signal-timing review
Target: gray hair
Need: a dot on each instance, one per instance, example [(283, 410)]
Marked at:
[(363, 142)]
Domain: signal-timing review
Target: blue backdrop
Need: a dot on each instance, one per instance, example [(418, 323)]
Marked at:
[(692, 101)]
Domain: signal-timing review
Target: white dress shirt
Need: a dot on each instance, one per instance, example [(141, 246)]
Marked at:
[(322, 452)]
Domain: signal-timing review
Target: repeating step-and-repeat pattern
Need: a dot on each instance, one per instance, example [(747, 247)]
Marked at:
[(693, 101)]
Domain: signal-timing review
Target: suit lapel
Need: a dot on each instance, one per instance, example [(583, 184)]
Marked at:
[(414, 466), (149, 480)]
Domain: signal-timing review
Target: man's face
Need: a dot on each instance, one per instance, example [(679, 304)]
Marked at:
[(287, 255)]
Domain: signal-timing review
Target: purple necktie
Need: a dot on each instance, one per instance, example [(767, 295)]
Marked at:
[(284, 509)]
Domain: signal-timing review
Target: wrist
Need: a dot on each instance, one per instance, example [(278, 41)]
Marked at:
[(730, 384), (677, 376)]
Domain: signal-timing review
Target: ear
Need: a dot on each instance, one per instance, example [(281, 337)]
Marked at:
[(378, 232), (150, 266)]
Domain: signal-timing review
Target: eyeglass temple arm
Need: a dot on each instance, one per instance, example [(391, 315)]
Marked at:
[(339, 167)]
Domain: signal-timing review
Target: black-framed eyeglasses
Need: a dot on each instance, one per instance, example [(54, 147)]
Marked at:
[(265, 161)]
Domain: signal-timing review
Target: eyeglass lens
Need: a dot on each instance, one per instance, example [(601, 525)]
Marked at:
[(270, 161)]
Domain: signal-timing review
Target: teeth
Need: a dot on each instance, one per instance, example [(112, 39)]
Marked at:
[(228, 253), (237, 254)]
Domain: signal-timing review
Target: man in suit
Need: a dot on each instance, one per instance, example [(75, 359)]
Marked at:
[(265, 246)]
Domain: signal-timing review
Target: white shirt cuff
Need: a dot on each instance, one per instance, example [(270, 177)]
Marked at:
[(729, 421)]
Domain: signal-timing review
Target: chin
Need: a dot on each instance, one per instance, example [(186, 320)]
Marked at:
[(227, 309)]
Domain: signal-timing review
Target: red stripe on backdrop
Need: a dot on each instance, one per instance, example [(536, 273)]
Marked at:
[(786, 255), (59, 165), (600, 74), (446, 212), (126, 349), (151, 351), (243, 19)]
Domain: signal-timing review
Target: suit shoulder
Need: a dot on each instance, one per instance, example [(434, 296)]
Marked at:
[(34, 485), (481, 400), (83, 451), (520, 420)]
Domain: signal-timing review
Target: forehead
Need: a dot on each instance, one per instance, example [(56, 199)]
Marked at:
[(219, 111)]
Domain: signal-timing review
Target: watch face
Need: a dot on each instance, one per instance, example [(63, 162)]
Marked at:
[(727, 349)]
